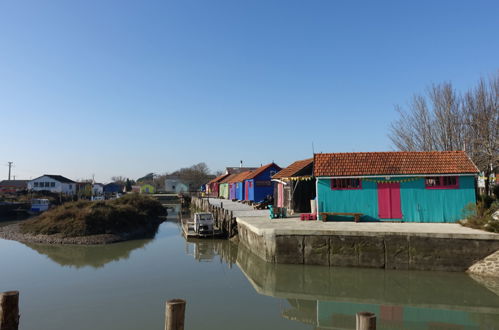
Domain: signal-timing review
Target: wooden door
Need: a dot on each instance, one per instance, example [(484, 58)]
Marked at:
[(389, 206)]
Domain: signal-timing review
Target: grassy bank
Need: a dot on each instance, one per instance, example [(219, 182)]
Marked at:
[(127, 214)]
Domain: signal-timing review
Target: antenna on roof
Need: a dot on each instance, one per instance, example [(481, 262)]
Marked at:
[(313, 149), (241, 164)]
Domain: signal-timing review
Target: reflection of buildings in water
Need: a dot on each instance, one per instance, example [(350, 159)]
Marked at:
[(88, 255), (206, 250), (329, 298)]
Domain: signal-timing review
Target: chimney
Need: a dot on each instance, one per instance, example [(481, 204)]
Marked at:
[(241, 164)]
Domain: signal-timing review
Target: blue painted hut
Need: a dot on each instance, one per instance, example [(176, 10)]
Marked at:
[(236, 184), (240, 185), (401, 186), (258, 184), (113, 188)]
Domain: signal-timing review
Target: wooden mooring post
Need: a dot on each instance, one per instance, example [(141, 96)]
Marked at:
[(365, 321), (175, 314), (9, 310)]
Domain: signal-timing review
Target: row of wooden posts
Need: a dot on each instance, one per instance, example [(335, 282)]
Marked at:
[(224, 219), (174, 314)]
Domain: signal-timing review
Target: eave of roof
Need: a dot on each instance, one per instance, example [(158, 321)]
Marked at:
[(261, 169), (293, 169)]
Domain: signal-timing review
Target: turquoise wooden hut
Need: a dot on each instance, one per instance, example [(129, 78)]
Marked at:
[(396, 186)]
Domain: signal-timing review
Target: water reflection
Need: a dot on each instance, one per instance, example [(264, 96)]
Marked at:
[(95, 256), (330, 297), (207, 250)]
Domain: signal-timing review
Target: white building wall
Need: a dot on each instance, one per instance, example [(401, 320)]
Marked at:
[(175, 186), (49, 184)]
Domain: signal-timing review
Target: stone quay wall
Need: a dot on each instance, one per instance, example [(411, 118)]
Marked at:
[(394, 251)]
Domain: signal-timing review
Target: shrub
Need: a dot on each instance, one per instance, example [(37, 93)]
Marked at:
[(480, 217), (83, 218)]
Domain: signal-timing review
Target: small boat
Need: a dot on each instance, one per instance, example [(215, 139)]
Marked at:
[(39, 205), (202, 225)]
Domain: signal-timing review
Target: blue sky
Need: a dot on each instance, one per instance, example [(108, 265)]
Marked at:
[(131, 87)]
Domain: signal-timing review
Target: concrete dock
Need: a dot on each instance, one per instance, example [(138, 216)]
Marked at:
[(417, 246)]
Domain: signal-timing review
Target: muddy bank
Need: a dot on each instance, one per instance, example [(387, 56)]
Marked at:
[(13, 232)]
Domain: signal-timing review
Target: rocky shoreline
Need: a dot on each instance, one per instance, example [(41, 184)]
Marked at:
[(13, 232)]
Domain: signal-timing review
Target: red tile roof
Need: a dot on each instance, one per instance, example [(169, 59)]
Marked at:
[(294, 168), (227, 178), (260, 170), (240, 177), (218, 178), (393, 163)]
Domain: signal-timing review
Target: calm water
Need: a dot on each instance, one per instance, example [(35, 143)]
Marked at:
[(125, 286)]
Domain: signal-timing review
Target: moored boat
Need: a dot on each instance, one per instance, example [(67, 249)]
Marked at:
[(202, 225)]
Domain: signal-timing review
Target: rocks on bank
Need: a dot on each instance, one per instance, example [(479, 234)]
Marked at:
[(488, 266)]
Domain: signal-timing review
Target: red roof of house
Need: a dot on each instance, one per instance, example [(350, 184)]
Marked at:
[(227, 178), (393, 163), (292, 169), (260, 170), (218, 178), (240, 177)]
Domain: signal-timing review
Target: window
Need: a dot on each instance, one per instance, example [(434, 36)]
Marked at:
[(47, 184), (345, 184), (441, 182), (36, 184), (52, 184)]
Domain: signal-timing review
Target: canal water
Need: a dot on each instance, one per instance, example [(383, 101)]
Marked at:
[(125, 286)]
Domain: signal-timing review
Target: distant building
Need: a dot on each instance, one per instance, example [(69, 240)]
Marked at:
[(113, 188), (12, 186), (53, 183), (174, 185), (97, 189), (147, 189)]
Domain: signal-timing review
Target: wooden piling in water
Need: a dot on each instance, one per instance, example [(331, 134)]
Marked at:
[(365, 321), (175, 314), (9, 310)]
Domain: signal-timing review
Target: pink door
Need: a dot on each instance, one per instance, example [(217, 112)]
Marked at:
[(280, 195), (389, 206)]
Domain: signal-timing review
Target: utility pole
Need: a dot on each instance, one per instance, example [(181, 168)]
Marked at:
[(10, 166)]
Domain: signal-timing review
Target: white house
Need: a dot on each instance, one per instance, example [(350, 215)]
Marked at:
[(53, 183), (173, 185), (97, 189)]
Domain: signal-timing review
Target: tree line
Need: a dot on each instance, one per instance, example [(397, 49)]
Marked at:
[(444, 119), (193, 176)]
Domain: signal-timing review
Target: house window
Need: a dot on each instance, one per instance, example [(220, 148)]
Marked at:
[(345, 184), (441, 182), (52, 184), (47, 184), (35, 184)]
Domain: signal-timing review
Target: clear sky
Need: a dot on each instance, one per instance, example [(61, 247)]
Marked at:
[(130, 87)]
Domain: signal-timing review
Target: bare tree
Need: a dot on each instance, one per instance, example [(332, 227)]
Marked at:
[(119, 179), (443, 119)]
